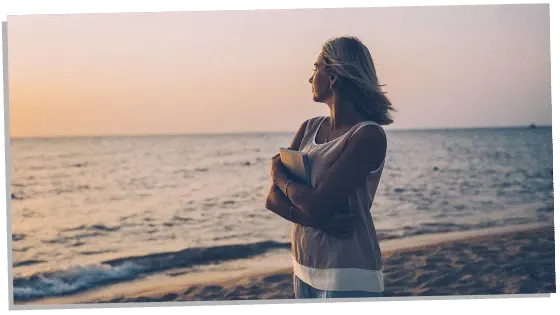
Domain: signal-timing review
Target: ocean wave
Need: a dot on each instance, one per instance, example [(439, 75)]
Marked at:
[(95, 227), (17, 196), (28, 262), (73, 280), (81, 278), (18, 237)]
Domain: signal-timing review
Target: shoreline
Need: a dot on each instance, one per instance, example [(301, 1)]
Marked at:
[(508, 260)]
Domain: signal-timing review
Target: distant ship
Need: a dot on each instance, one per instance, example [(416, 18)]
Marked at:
[(532, 126)]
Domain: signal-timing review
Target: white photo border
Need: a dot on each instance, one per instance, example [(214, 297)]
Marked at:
[(235, 306)]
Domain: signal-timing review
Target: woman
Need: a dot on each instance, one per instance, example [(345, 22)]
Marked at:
[(335, 249)]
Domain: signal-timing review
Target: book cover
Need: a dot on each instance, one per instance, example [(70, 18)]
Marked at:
[(297, 163)]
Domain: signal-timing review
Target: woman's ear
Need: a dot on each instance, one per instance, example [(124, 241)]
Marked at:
[(333, 81)]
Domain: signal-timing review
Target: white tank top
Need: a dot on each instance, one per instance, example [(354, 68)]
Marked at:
[(326, 262)]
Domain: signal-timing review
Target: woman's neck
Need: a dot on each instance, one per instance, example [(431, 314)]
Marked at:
[(342, 113)]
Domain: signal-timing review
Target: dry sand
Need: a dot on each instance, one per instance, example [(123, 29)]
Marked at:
[(503, 262)]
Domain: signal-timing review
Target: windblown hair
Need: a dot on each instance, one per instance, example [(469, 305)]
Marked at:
[(350, 61)]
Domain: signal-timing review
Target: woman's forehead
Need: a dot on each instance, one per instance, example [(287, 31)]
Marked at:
[(320, 60)]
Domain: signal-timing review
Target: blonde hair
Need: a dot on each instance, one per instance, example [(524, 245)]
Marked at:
[(350, 61)]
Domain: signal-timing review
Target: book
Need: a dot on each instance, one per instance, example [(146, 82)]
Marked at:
[(297, 163)]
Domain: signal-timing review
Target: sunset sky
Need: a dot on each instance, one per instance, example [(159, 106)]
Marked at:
[(246, 71)]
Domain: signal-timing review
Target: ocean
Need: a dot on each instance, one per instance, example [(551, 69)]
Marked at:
[(92, 212)]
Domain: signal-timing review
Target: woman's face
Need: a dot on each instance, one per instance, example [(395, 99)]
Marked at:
[(320, 82)]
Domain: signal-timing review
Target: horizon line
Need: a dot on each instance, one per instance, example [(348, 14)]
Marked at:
[(266, 132)]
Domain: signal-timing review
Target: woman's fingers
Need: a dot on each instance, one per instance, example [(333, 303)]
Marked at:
[(344, 219), (339, 231), (343, 223), (340, 224)]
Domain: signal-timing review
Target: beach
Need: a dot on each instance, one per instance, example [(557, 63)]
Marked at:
[(514, 260), (146, 218)]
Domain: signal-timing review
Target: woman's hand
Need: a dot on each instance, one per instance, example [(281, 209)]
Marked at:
[(340, 224), (282, 177), (275, 166)]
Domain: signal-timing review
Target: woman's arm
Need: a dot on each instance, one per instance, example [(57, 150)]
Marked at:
[(336, 225), (278, 203), (364, 152)]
